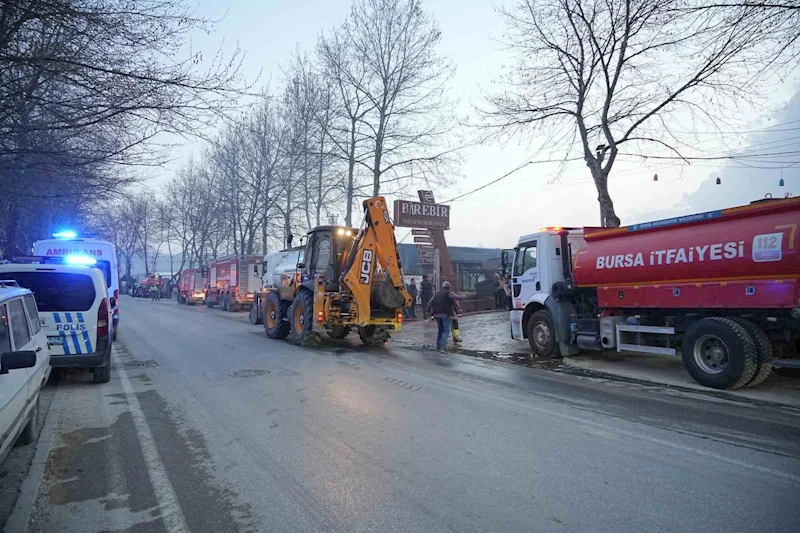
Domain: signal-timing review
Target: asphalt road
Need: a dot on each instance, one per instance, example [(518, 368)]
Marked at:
[(228, 431)]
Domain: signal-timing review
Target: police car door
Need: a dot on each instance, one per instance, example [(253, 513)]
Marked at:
[(70, 319)]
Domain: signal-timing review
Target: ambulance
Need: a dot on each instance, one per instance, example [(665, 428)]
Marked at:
[(68, 243)]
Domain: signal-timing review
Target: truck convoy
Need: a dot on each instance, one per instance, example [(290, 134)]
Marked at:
[(191, 287), (344, 278), (721, 288), (232, 281)]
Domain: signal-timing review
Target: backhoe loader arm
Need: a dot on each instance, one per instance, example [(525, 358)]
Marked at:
[(375, 241)]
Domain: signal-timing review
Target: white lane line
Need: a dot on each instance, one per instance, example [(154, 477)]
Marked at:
[(171, 512)]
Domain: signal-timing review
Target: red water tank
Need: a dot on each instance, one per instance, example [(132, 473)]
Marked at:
[(748, 244)]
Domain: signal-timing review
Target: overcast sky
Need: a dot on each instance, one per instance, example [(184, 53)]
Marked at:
[(538, 195)]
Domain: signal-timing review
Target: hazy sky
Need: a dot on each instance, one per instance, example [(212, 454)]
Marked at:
[(537, 196)]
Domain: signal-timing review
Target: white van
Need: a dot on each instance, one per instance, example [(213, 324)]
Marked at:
[(103, 252), (24, 366), (74, 311)]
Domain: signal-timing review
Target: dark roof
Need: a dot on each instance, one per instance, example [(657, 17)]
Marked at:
[(458, 254)]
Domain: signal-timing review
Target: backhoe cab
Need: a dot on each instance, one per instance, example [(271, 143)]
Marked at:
[(348, 278)]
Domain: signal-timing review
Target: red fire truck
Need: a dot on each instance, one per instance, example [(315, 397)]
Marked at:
[(721, 288), (233, 281), (191, 287)]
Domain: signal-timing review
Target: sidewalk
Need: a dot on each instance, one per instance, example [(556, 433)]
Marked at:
[(487, 335), (481, 332)]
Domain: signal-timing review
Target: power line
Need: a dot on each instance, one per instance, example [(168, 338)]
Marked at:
[(510, 172)]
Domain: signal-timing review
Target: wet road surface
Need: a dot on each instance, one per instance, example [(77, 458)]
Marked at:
[(207, 425)]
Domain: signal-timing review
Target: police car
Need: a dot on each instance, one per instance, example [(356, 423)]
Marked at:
[(74, 309), (24, 366), (68, 243)]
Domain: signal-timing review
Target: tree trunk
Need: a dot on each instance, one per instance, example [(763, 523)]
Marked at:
[(608, 217), (351, 168), (11, 230)]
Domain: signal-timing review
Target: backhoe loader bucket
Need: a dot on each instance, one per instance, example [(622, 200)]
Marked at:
[(390, 297)]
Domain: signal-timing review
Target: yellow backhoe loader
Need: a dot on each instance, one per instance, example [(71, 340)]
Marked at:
[(348, 278)]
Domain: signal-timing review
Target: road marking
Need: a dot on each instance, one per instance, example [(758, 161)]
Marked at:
[(171, 512)]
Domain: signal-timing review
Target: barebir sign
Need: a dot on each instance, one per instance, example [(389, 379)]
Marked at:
[(409, 214)]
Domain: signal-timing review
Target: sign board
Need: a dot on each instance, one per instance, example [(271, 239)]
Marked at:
[(425, 253), (423, 246), (421, 232), (425, 260), (426, 197), (409, 214), (424, 239)]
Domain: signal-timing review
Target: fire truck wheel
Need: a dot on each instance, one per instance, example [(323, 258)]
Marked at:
[(542, 335), (373, 336), (209, 302), (301, 317), (764, 349), (276, 313), (338, 332), (719, 353)]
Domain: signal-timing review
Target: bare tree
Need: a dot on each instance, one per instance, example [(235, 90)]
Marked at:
[(264, 141), (87, 85), (410, 123), (618, 72), (347, 73)]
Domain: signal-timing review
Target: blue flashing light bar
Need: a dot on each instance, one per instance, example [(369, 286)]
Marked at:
[(68, 234), (80, 260)]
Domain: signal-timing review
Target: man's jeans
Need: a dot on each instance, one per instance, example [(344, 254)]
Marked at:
[(444, 331)]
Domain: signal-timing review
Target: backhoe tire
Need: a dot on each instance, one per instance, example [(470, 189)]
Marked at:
[(338, 332), (542, 335), (301, 318), (276, 316), (373, 336), (764, 349), (719, 353)]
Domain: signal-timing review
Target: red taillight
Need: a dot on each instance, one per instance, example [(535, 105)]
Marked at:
[(320, 317), (400, 317), (102, 319)]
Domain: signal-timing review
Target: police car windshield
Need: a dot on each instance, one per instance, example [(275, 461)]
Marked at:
[(57, 291)]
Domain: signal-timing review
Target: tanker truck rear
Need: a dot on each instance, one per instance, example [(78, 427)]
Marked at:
[(720, 289)]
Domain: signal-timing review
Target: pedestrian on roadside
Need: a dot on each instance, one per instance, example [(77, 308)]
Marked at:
[(508, 298), (425, 293), (412, 291), (153, 293), (499, 291), (441, 305)]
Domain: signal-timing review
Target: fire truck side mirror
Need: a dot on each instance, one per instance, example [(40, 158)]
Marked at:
[(204, 272), (504, 261), (255, 269)]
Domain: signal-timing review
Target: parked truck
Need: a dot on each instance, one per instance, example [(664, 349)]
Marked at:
[(721, 288), (191, 286), (278, 268), (232, 280)]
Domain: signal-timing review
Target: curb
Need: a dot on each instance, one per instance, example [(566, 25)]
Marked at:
[(19, 518)]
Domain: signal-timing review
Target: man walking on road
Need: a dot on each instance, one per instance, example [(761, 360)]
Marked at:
[(442, 306), (412, 291), (426, 293)]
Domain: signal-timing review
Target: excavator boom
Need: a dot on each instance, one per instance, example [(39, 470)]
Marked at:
[(375, 242)]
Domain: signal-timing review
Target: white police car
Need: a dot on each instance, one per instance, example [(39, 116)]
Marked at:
[(74, 309), (24, 366)]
